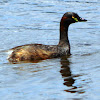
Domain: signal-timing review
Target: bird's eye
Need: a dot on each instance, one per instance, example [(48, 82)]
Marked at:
[(75, 18)]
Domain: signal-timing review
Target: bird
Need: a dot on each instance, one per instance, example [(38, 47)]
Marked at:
[(35, 52)]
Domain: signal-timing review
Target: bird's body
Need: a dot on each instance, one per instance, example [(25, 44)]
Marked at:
[(32, 52)]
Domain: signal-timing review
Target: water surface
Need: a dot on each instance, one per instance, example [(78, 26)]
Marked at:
[(73, 78)]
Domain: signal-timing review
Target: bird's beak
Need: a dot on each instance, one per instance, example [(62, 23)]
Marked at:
[(82, 20)]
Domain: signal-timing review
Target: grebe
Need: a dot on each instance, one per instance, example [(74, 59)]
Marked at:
[(32, 52)]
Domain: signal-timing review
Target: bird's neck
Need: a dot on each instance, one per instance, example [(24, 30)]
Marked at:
[(64, 34)]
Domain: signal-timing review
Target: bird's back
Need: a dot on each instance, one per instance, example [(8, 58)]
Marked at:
[(33, 52)]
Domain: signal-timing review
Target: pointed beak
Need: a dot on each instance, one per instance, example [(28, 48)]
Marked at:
[(82, 20)]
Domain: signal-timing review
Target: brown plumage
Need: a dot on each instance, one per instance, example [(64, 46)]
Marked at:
[(32, 52)]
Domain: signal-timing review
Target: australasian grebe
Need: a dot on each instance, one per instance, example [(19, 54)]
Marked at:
[(32, 52)]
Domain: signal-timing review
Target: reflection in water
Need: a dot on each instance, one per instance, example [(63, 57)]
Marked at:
[(68, 77), (66, 73)]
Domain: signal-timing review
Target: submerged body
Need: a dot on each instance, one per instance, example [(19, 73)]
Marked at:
[(32, 52)]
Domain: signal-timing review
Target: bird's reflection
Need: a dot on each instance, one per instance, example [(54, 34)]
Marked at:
[(66, 72), (67, 75)]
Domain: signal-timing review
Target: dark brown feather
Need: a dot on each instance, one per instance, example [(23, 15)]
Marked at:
[(33, 52)]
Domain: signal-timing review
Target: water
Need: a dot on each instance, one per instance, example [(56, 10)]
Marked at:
[(73, 78)]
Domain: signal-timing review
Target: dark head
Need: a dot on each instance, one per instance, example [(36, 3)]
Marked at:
[(71, 17)]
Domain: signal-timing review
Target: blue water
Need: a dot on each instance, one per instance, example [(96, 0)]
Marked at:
[(37, 21)]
